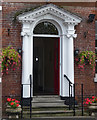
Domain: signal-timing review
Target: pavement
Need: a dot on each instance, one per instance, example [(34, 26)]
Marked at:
[(59, 118)]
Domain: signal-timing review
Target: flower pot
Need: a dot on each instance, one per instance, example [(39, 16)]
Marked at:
[(13, 112), (93, 109)]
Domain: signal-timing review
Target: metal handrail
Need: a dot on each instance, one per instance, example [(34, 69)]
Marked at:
[(67, 79), (70, 95), (70, 88)]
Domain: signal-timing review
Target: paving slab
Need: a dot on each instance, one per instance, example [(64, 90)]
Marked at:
[(59, 118)]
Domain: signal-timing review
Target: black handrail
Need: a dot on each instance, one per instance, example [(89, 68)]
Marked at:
[(67, 79), (70, 96), (74, 101), (82, 98), (21, 101), (70, 88)]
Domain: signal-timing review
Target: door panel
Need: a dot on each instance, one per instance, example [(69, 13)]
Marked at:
[(56, 66), (46, 66)]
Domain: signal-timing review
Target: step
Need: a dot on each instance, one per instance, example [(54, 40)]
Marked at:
[(45, 109), (48, 105), (47, 101), (50, 112), (62, 118), (46, 98)]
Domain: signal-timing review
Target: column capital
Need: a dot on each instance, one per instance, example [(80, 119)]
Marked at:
[(25, 34), (71, 35)]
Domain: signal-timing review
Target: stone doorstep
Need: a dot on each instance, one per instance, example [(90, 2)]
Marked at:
[(47, 105), (48, 101), (46, 97)]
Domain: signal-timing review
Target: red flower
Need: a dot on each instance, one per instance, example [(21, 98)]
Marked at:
[(87, 102), (17, 105), (13, 69), (92, 100), (11, 103), (93, 97), (16, 101), (77, 59), (8, 99), (13, 99)]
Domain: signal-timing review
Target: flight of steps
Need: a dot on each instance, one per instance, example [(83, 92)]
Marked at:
[(47, 101), (47, 106)]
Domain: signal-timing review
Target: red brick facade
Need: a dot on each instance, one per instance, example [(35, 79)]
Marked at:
[(11, 83)]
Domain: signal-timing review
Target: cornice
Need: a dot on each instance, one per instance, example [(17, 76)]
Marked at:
[(52, 10)]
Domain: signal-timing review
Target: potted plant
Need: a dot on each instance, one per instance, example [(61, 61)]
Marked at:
[(13, 108), (91, 104), (85, 58), (10, 59)]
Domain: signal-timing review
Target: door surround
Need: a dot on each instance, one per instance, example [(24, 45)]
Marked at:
[(65, 22)]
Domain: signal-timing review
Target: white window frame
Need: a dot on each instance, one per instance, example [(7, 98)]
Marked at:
[(95, 79)]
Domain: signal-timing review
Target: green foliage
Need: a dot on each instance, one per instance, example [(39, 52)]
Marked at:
[(13, 102), (10, 59), (84, 58), (89, 55)]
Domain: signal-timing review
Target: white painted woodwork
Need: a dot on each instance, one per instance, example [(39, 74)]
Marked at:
[(0, 8)]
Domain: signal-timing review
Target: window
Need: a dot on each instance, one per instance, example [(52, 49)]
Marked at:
[(96, 30), (46, 28), (96, 42), (95, 79)]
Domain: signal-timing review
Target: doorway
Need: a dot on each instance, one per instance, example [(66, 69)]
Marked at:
[(46, 66)]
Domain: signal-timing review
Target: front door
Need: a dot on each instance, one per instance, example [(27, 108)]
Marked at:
[(46, 66)]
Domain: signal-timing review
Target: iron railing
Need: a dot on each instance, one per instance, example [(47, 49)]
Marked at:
[(70, 90), (72, 95)]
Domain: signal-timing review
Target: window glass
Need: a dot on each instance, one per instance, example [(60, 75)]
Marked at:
[(96, 50), (96, 27), (96, 30), (46, 28), (96, 68), (95, 43), (96, 37)]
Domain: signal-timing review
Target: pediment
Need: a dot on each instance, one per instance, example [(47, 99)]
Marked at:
[(52, 10)]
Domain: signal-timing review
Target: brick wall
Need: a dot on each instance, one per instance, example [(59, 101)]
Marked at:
[(12, 81), (84, 43)]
